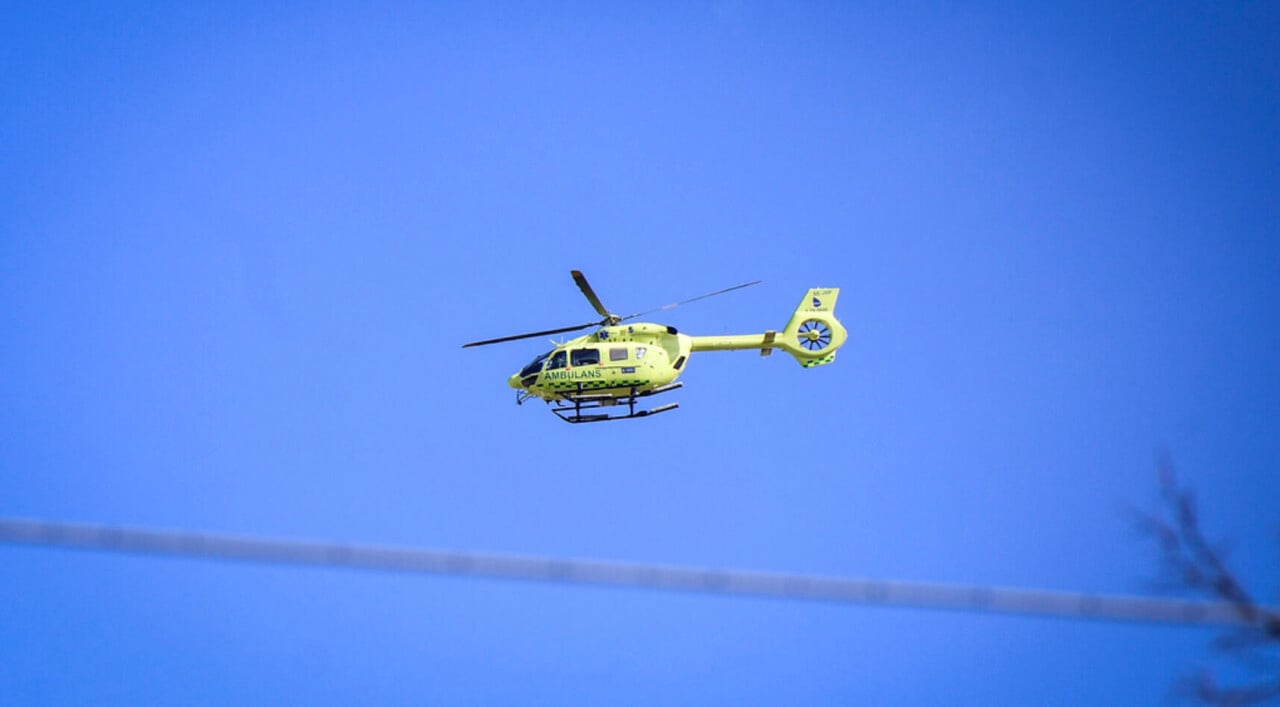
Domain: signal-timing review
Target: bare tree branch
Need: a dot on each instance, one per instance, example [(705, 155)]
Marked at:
[(1191, 562)]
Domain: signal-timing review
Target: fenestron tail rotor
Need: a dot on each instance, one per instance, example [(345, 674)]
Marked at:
[(609, 317), (814, 335)]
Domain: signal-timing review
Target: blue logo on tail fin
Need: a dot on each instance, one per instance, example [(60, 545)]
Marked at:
[(817, 303)]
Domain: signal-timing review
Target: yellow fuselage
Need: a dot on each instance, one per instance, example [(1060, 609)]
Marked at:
[(622, 359)]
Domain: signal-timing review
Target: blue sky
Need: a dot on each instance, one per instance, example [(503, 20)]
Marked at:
[(241, 246)]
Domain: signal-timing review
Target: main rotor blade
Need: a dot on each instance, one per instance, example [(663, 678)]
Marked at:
[(695, 299), (531, 335), (579, 278)]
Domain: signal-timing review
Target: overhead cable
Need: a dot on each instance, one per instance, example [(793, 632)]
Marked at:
[(801, 587)]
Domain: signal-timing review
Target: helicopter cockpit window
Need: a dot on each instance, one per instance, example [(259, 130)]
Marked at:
[(557, 361), (586, 357), (618, 354), (535, 366)]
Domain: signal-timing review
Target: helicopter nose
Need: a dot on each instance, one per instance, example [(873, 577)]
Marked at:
[(514, 381)]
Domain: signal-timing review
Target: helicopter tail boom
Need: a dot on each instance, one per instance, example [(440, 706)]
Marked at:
[(812, 335)]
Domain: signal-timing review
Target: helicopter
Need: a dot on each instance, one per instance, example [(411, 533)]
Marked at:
[(601, 376)]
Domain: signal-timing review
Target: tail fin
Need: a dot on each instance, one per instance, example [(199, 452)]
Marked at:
[(814, 333)]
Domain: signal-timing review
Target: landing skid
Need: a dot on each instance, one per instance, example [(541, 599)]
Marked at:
[(582, 406)]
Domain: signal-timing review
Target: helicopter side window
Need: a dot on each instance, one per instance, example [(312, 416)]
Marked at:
[(619, 354), (586, 357), (535, 366), (557, 361)]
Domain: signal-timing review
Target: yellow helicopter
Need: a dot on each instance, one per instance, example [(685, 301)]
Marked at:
[(602, 375)]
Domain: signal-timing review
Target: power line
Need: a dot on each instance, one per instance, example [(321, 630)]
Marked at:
[(619, 574)]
